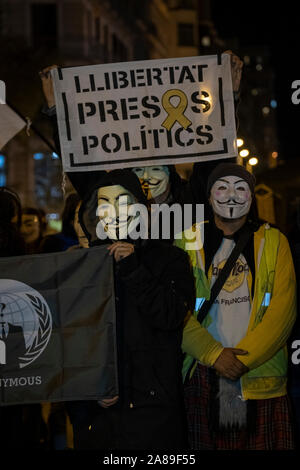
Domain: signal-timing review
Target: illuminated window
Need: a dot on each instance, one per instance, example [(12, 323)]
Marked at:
[(47, 181), (273, 104), (2, 170), (38, 156)]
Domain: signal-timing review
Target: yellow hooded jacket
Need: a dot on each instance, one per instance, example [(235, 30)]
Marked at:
[(273, 312)]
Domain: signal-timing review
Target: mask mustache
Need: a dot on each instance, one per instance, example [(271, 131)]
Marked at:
[(233, 201), (148, 182), (117, 221)]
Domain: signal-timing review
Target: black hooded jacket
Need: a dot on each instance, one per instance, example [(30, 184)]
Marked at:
[(154, 290)]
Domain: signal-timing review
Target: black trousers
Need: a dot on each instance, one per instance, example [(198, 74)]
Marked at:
[(137, 428)]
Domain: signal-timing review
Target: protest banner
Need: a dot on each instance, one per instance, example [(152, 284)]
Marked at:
[(145, 113), (57, 327), (10, 124)]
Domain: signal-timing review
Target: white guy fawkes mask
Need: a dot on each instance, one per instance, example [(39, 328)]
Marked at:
[(154, 179), (231, 197), (113, 210)]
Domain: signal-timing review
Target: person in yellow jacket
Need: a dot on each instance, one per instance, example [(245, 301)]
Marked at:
[(235, 367)]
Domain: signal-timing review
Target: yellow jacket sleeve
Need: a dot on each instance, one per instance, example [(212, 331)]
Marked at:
[(271, 334), (199, 343)]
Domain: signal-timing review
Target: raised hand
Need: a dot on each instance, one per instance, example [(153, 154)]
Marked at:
[(236, 70), (47, 85), (120, 250)]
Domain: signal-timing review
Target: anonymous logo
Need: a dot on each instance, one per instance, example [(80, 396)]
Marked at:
[(25, 324)]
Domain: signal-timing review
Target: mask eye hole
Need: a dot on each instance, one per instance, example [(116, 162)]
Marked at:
[(104, 207)]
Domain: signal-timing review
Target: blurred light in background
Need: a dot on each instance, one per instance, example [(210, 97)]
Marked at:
[(239, 142), (2, 170), (38, 156), (54, 222), (266, 110), (205, 41), (253, 161), (53, 216), (244, 153)]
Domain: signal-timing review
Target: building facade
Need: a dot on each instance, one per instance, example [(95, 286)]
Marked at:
[(78, 32)]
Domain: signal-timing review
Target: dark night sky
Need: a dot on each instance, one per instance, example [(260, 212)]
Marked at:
[(276, 25)]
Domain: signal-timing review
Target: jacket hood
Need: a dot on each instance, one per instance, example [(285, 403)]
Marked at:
[(176, 183), (87, 213)]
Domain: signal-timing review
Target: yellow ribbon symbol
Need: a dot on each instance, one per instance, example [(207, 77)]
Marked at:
[(175, 113)]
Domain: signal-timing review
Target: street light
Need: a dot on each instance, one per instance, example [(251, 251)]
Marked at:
[(253, 161), (239, 142), (244, 153)]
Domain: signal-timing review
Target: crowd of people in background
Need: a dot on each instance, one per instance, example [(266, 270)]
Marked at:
[(233, 394), (23, 231)]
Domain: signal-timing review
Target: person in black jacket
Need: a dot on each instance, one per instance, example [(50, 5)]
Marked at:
[(11, 244), (21, 425), (154, 291)]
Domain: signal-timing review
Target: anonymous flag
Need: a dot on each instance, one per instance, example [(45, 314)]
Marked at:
[(57, 327), (10, 124)]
